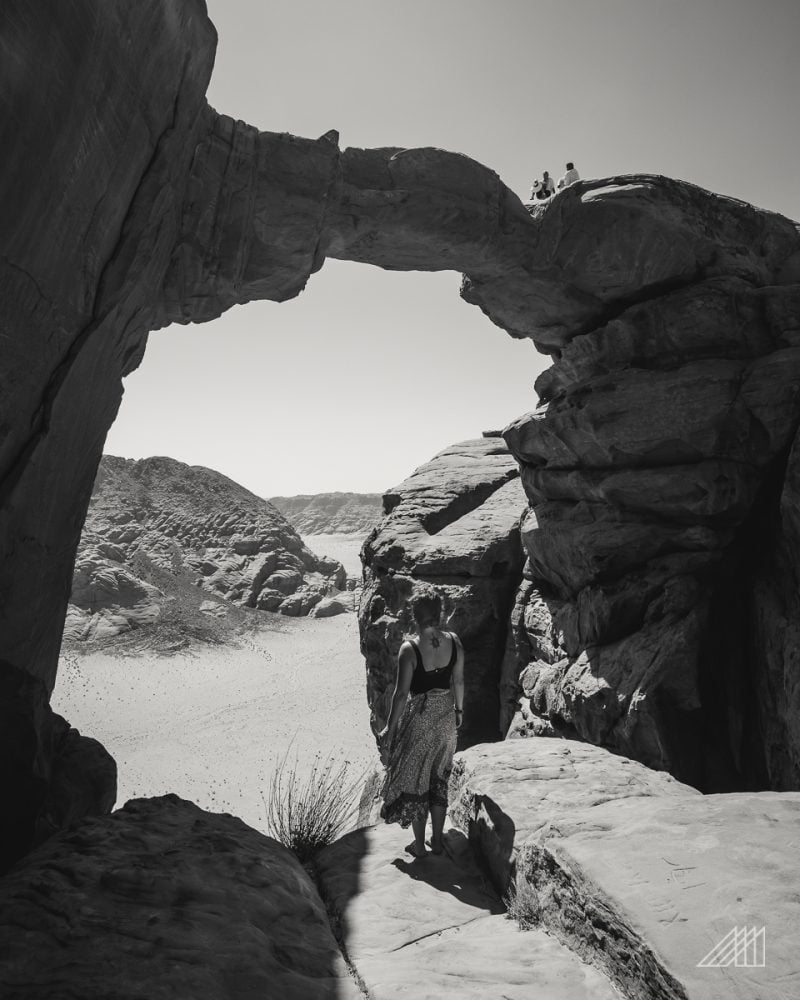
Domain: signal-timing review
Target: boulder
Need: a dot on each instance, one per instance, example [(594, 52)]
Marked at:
[(162, 899), (337, 604), (107, 598), (452, 525), (666, 890)]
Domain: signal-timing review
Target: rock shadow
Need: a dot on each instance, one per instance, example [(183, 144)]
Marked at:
[(455, 872)]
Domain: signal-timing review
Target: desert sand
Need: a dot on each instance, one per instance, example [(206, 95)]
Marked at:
[(211, 724), (344, 548)]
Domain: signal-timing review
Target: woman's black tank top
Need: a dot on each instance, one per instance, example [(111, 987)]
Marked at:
[(423, 680)]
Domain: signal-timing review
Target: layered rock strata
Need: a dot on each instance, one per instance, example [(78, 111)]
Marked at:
[(162, 899), (453, 526), (658, 615), (331, 513), (636, 872), (194, 524)]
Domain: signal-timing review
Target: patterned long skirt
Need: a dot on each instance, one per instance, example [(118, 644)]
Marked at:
[(420, 759)]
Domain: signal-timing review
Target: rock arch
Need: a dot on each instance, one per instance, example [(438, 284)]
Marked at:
[(131, 204)]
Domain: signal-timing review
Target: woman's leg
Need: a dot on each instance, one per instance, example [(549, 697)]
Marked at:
[(418, 825), (438, 814)]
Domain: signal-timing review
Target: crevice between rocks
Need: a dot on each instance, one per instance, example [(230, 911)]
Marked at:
[(574, 912), (734, 752), (335, 921)]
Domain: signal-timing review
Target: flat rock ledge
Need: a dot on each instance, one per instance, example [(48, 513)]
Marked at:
[(642, 876), (433, 927), (163, 900)]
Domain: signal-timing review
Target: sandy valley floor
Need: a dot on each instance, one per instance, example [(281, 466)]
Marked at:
[(210, 725)]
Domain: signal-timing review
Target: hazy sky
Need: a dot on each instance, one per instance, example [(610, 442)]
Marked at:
[(368, 373)]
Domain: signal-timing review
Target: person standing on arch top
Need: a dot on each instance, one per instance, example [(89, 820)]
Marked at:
[(569, 177), (419, 739)]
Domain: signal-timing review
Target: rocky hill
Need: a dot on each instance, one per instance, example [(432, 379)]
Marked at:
[(331, 513), (156, 524)]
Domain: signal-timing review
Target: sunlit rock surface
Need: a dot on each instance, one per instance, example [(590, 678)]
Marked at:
[(639, 874), (193, 524), (432, 927), (164, 900), (452, 525)]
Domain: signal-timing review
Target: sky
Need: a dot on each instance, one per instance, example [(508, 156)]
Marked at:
[(368, 373)]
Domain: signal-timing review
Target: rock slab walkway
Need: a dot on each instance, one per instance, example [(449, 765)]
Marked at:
[(433, 927)]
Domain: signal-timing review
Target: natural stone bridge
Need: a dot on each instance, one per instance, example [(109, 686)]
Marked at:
[(660, 612)]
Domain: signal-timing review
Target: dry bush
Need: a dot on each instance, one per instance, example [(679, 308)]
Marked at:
[(306, 811), (522, 900)]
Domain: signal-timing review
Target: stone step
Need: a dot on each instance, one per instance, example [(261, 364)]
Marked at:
[(433, 927)]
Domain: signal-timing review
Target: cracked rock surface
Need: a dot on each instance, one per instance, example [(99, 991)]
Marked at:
[(431, 927), (639, 874)]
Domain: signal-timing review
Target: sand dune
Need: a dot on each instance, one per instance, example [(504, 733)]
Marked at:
[(211, 724)]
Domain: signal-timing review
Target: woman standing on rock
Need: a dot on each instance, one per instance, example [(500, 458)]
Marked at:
[(419, 739)]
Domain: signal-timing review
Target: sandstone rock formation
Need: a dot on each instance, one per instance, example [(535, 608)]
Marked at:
[(194, 524), (160, 900), (660, 613), (454, 525), (326, 513), (636, 872)]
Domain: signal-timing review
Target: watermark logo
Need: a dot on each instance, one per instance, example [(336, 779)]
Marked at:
[(743, 947)]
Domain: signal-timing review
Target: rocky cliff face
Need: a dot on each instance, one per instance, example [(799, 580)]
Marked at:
[(659, 474), (198, 526), (662, 545), (331, 513), (452, 525)]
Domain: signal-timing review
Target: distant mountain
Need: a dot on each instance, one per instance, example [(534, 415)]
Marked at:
[(332, 513), (157, 526)]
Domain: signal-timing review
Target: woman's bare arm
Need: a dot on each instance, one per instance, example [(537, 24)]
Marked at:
[(458, 682), (405, 671)]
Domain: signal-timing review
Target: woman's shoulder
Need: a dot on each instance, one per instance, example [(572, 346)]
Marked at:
[(407, 647)]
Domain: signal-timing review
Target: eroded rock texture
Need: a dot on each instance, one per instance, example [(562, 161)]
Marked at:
[(635, 871), (452, 525), (164, 900), (193, 524), (97, 102), (656, 473), (324, 513)]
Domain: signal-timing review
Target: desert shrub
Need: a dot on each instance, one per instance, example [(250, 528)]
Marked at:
[(307, 810), (522, 900)]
